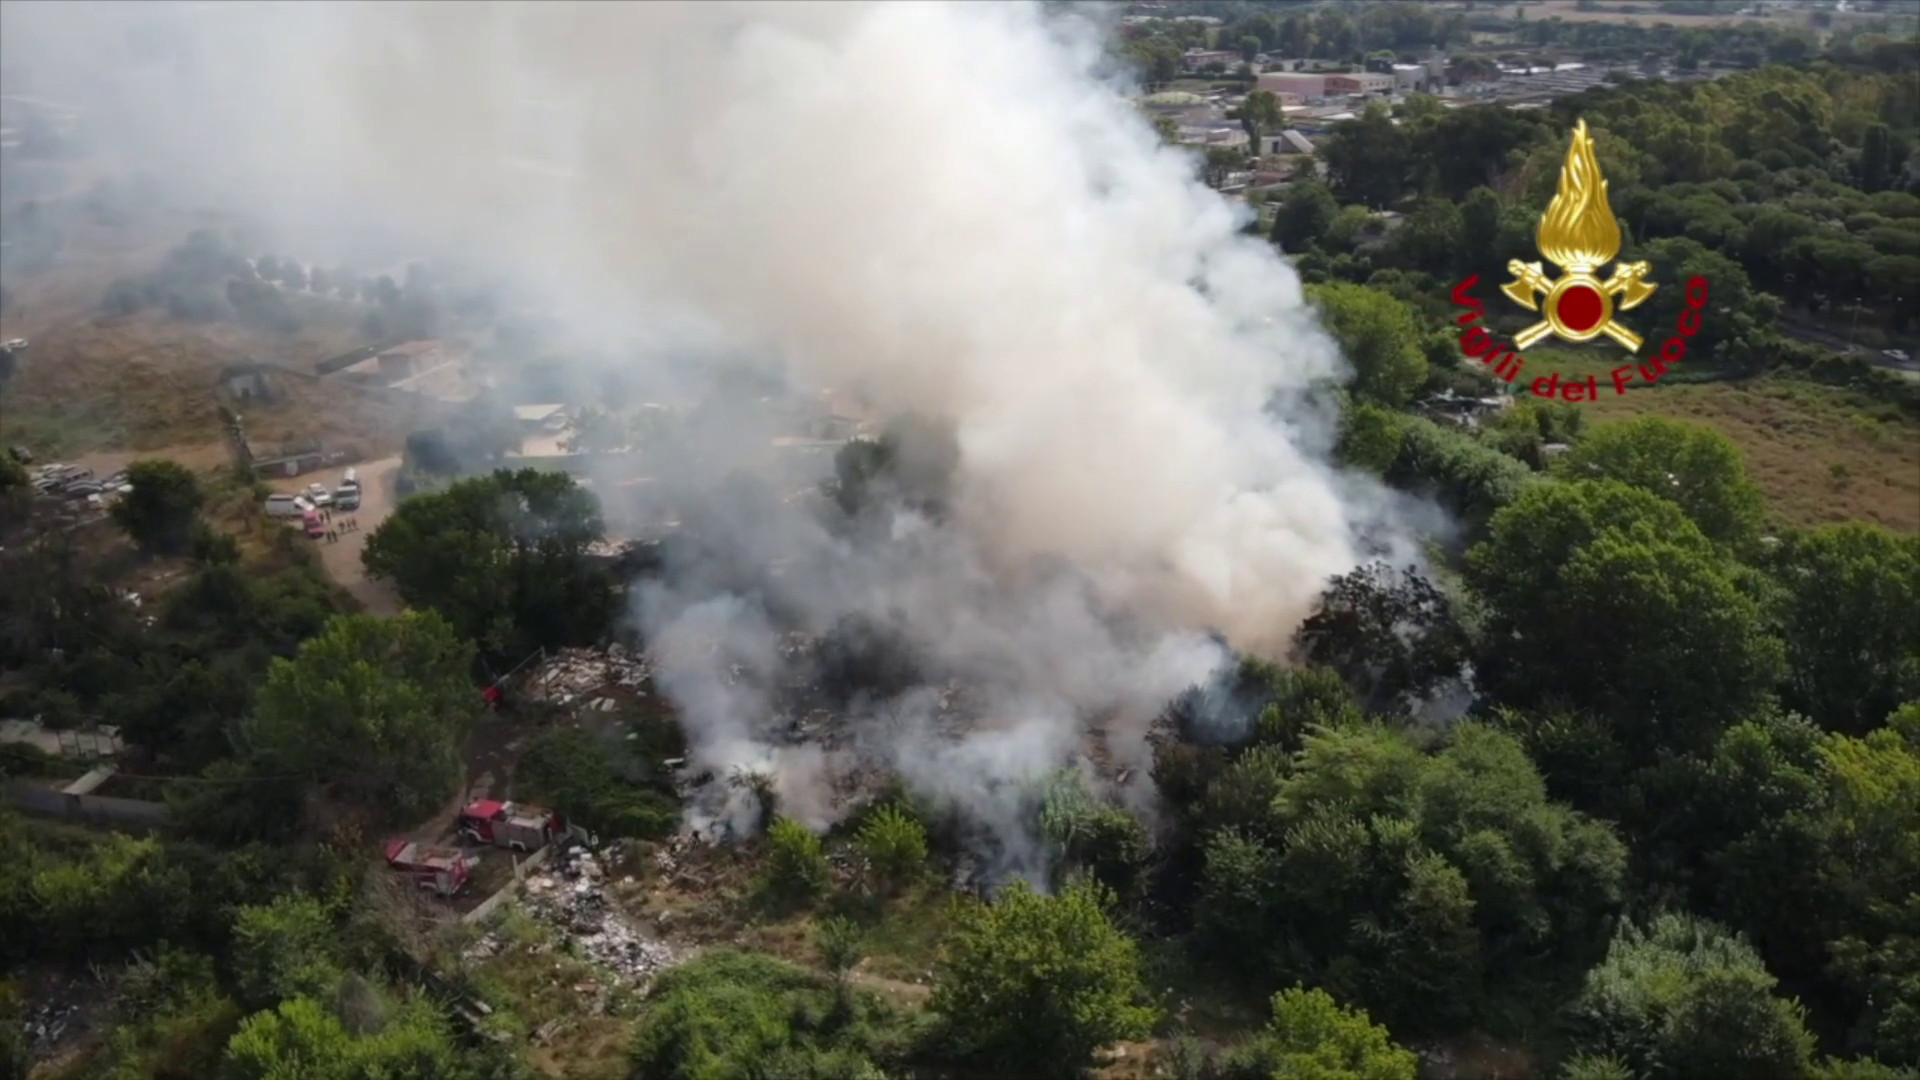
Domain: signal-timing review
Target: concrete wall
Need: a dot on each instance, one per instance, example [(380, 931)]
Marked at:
[(32, 798)]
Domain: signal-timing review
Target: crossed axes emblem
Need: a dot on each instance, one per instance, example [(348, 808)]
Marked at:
[(1624, 291)]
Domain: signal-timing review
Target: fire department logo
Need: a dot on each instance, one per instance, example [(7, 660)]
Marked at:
[(1579, 234)]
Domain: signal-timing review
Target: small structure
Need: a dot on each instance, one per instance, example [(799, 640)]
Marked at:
[(541, 417), (247, 382)]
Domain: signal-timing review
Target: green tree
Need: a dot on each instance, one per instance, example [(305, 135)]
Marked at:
[(1305, 213), (1378, 336), (1430, 238), (1682, 998), (376, 709), (841, 948), (1424, 885), (1261, 115), (160, 512), (503, 558), (1853, 644), (1312, 1035), (1607, 597), (1479, 228), (1876, 159), (1368, 160), (1688, 464), (1037, 984), (895, 845), (1876, 802), (284, 950)]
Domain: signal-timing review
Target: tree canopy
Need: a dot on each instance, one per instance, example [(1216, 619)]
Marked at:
[(503, 558), (376, 709)]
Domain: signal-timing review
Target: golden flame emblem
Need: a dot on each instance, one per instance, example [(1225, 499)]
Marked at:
[(1578, 233)]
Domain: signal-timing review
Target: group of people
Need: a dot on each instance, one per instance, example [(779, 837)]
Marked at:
[(346, 525)]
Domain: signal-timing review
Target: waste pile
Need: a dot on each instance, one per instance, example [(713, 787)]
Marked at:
[(572, 899), (571, 674), (46, 1025)]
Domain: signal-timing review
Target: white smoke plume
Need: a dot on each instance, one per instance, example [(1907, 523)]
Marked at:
[(946, 208)]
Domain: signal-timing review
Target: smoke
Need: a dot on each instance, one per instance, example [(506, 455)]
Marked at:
[(945, 208)]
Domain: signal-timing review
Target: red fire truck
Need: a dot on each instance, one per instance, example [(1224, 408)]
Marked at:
[(510, 825), (444, 871)]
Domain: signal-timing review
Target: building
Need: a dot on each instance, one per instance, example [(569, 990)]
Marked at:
[(246, 382), (1416, 78), (1359, 82), (1297, 84), (541, 417), (1195, 59)]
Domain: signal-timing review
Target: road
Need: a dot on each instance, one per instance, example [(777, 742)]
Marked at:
[(341, 558)]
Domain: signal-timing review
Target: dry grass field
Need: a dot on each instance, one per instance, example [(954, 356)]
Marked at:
[(1820, 453), (1647, 13)]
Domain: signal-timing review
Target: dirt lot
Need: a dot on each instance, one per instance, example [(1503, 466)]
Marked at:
[(341, 557)]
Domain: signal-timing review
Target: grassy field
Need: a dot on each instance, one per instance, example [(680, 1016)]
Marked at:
[(1820, 453)]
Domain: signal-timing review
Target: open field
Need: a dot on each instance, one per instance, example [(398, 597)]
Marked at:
[(1821, 454), (1648, 13)]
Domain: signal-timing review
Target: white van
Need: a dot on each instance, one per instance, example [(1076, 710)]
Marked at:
[(350, 479), (287, 505)]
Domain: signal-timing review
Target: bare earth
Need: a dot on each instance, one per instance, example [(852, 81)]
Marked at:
[(341, 557)]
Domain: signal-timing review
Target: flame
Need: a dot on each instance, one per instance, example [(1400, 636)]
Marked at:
[(1578, 232)]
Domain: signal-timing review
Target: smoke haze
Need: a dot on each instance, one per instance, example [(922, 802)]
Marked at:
[(944, 208)]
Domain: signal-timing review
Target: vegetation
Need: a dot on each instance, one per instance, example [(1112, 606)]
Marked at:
[(1624, 775), (160, 512), (1039, 983), (375, 710), (503, 558)]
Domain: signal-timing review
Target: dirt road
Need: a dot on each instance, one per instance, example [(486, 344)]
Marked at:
[(341, 557)]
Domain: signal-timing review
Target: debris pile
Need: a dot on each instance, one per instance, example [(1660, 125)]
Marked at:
[(46, 1025), (572, 899), (571, 674)]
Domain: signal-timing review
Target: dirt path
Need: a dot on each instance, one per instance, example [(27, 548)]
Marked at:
[(341, 557)]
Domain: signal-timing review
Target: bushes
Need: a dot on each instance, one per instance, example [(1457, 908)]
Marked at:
[(895, 845), (601, 784), (1036, 984), (728, 1014), (796, 865), (1683, 998), (1312, 1035)]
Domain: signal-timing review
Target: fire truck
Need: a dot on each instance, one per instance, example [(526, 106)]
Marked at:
[(444, 871), (510, 825)]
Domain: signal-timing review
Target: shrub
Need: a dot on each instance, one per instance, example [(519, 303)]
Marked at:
[(895, 844), (796, 865)]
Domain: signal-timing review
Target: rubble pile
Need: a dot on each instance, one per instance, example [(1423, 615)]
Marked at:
[(46, 1025), (572, 899), (571, 674)]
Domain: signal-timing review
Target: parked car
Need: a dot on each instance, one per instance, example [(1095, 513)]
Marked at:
[(347, 498), (318, 495)]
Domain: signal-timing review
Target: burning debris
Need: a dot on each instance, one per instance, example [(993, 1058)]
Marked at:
[(571, 674), (573, 900)]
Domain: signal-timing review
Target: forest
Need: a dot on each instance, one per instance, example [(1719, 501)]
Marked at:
[(1675, 834)]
